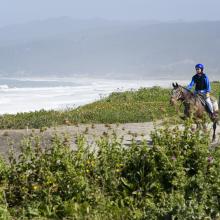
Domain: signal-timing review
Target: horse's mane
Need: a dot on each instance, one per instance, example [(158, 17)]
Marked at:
[(187, 90), (195, 97)]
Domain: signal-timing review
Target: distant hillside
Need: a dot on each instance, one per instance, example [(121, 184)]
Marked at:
[(109, 48)]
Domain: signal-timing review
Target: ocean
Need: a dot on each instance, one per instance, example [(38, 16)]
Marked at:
[(32, 94)]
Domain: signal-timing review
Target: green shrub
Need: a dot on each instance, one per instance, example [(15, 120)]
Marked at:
[(178, 177)]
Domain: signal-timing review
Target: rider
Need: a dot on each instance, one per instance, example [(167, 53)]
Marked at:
[(202, 86)]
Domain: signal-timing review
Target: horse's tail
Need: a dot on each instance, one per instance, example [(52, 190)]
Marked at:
[(218, 122), (219, 101)]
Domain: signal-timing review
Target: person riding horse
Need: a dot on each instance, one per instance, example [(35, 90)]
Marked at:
[(197, 103), (202, 87)]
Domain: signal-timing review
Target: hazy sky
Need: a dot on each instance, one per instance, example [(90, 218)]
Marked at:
[(16, 11)]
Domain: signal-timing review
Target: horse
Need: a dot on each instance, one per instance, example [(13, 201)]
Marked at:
[(194, 105)]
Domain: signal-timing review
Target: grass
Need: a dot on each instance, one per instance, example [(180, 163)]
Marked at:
[(143, 105)]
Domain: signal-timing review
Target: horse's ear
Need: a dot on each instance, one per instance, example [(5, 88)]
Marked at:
[(173, 85), (177, 85)]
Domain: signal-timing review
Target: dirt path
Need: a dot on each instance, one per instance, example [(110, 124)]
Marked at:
[(92, 132)]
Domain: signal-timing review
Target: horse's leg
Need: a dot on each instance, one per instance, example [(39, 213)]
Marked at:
[(214, 130), (205, 127), (183, 117), (200, 126)]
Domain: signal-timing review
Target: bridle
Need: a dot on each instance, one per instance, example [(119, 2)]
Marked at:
[(177, 94)]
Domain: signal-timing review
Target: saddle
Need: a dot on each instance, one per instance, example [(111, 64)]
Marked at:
[(202, 99)]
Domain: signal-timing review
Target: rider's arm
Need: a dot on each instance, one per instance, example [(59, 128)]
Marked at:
[(191, 84), (208, 85)]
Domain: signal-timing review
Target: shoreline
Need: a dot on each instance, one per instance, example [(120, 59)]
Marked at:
[(59, 98)]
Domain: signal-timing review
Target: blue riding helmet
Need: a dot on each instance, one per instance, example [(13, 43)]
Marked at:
[(199, 66)]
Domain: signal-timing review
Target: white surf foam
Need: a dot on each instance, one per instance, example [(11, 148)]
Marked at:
[(14, 100), (4, 87)]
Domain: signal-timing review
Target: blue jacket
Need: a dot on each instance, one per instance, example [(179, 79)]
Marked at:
[(202, 84)]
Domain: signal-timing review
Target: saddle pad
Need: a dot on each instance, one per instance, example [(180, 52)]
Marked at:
[(202, 99)]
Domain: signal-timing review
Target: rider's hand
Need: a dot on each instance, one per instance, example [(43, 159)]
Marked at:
[(207, 94)]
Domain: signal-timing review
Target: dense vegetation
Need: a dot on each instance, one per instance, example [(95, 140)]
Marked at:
[(131, 106), (178, 177)]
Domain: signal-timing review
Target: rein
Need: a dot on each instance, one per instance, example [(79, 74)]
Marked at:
[(181, 93), (182, 98)]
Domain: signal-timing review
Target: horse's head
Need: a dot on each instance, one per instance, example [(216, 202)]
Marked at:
[(177, 94)]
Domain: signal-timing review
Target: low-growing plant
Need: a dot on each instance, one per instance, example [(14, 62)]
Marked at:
[(145, 104)]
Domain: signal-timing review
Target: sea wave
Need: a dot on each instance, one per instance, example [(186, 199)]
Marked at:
[(4, 86), (83, 91)]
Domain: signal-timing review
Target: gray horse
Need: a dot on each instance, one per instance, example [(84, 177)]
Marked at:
[(194, 105)]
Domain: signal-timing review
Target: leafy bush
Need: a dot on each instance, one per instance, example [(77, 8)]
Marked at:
[(178, 177)]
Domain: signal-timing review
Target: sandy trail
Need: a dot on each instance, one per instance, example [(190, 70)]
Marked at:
[(138, 131)]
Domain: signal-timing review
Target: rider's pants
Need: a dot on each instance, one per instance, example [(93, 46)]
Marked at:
[(209, 103)]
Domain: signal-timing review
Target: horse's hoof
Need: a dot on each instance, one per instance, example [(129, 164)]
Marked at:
[(213, 140)]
